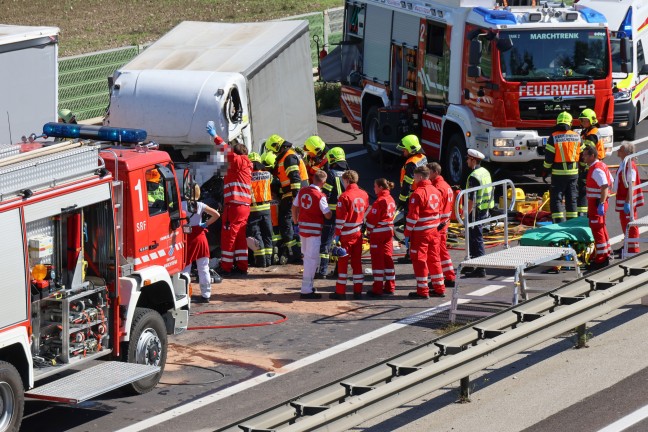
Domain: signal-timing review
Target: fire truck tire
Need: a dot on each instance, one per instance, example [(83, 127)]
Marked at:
[(11, 397), (370, 133), (454, 161), (147, 345)]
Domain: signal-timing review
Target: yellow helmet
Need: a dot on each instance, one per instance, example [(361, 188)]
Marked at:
[(564, 118), (65, 114), (336, 154), (153, 176), (590, 115), (273, 143), (409, 143), (314, 145), (254, 157), (269, 159)]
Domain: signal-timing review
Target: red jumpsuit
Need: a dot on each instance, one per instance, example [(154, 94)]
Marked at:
[(421, 227), (597, 223), (637, 201), (237, 188), (380, 225), (447, 201), (349, 217)]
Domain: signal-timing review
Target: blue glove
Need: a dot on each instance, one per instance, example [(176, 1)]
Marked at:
[(211, 129), (296, 229), (406, 242), (601, 209), (626, 208), (336, 239), (202, 224)]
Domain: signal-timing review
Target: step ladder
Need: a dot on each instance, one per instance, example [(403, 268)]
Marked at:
[(92, 382)]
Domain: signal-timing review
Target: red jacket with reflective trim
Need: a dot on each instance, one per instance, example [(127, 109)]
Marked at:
[(424, 208), (447, 198), (350, 212), (592, 189), (237, 184), (381, 216), (622, 190), (311, 218)]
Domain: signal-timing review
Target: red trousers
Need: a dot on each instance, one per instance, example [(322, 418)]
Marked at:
[(633, 247), (233, 243), (424, 251), (353, 245), (602, 248), (382, 264), (444, 255)]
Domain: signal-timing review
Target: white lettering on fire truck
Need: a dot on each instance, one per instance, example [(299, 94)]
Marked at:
[(141, 226), (552, 36), (557, 90)]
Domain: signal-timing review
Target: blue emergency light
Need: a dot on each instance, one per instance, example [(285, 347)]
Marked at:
[(100, 133)]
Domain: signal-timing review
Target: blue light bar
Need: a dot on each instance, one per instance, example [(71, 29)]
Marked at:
[(592, 16), (626, 25), (496, 17), (100, 133)]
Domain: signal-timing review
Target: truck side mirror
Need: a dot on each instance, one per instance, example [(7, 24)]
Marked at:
[(474, 55), (644, 70), (504, 44), (623, 51)]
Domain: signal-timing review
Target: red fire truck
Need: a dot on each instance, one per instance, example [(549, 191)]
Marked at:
[(91, 258), (464, 74)]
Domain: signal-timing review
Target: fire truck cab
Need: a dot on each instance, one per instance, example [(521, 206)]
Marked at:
[(465, 74), (92, 258)]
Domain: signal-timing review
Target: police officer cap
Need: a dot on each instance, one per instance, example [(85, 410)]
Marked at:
[(476, 154)]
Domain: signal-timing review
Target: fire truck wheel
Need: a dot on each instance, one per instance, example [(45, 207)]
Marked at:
[(370, 133), (12, 399), (147, 345), (454, 169)]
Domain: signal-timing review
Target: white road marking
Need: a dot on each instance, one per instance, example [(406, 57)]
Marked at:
[(635, 142), (627, 421), (358, 153), (252, 382)]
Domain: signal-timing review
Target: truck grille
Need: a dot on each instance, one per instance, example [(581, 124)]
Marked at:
[(548, 108)]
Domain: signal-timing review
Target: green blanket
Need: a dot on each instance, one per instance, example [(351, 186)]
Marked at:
[(573, 231)]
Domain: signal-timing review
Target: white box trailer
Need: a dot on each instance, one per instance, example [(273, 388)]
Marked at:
[(28, 80), (252, 79)]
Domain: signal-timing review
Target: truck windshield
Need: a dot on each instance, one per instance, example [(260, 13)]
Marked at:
[(555, 55), (615, 45)]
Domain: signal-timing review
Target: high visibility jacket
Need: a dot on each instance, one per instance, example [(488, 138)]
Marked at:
[(562, 153), (447, 198), (237, 184), (592, 189), (156, 195), (381, 216), (292, 174), (261, 194), (314, 164), (350, 211), (311, 219), (424, 208), (622, 189), (484, 197), (592, 134), (407, 175), (334, 187)]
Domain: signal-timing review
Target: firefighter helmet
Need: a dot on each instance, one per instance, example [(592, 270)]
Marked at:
[(409, 143), (564, 118), (273, 143), (66, 115), (269, 159), (336, 154), (153, 176), (254, 157), (590, 115), (314, 145)]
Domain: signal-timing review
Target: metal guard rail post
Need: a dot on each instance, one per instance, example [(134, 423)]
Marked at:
[(465, 194), (344, 404), (631, 186)]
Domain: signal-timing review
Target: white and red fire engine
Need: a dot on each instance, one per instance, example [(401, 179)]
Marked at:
[(91, 260), (467, 74)]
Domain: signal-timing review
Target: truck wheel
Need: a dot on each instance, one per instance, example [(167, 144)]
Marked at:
[(12, 399), (370, 133), (454, 160), (147, 345)]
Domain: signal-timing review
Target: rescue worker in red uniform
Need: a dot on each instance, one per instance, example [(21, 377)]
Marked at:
[(589, 133), (259, 225), (237, 194), (314, 155), (292, 174), (415, 157), (562, 154), (625, 206), (309, 209), (421, 231), (598, 185), (380, 226), (447, 203), (349, 217)]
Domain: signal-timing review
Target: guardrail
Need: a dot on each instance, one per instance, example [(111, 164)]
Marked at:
[(348, 402)]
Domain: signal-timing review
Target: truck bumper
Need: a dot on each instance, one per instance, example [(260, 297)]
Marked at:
[(515, 146), (624, 115)]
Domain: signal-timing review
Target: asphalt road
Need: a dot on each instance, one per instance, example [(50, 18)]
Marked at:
[(227, 374)]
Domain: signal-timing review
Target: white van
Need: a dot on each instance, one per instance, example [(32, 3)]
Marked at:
[(628, 23)]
